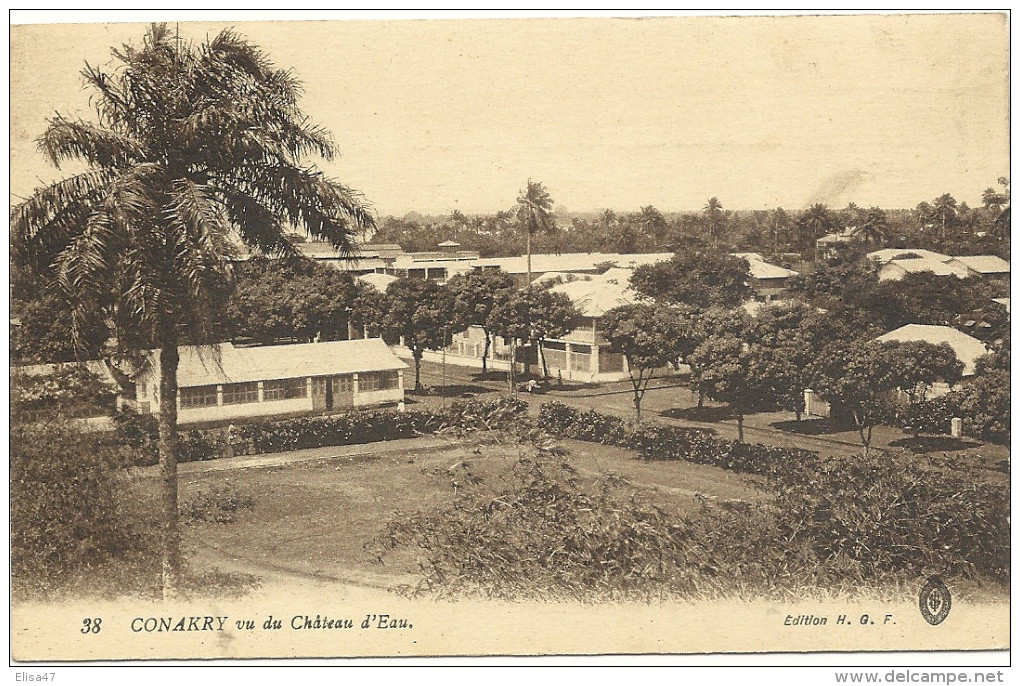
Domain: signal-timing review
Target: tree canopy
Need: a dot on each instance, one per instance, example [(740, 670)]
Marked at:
[(701, 279), (421, 313)]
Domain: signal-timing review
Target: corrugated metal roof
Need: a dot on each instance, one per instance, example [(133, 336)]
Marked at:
[(224, 363), (967, 348)]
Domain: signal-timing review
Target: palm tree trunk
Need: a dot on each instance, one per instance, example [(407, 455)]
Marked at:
[(545, 365), (417, 369), (169, 357), (511, 381), (527, 242), (740, 426), (485, 352)]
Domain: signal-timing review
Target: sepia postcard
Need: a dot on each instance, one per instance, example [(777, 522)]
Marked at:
[(453, 335)]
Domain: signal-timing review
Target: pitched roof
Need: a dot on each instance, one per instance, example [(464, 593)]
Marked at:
[(223, 363), (895, 269), (984, 264), (766, 270), (890, 254), (379, 281), (596, 296), (967, 348)]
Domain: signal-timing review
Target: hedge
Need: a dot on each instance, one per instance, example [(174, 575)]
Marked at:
[(351, 428), (657, 442)]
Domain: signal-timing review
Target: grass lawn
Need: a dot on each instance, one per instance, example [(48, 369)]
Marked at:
[(313, 520)]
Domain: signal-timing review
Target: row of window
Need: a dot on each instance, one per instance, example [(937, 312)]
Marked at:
[(281, 389)]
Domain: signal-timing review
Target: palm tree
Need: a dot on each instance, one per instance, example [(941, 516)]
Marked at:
[(534, 213), (817, 219), (944, 211), (713, 210), (873, 225), (194, 147)]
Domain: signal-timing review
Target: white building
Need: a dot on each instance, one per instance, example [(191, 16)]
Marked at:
[(222, 382)]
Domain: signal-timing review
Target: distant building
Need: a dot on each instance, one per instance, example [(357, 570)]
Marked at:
[(832, 245), (564, 263), (438, 266), (223, 382), (967, 348), (767, 279), (581, 355), (895, 263)]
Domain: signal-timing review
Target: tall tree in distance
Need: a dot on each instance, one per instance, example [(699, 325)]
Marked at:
[(944, 212), (192, 145), (534, 213), (713, 211)]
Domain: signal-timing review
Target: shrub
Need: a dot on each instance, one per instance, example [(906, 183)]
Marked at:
[(350, 428), (890, 513), (547, 536), (68, 391), (656, 442), (219, 503), (68, 513), (984, 406), (932, 416), (849, 526)]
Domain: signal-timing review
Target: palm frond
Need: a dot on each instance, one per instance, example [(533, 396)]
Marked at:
[(67, 139), (325, 209), (45, 223)]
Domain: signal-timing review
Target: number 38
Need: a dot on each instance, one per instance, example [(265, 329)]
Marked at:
[(91, 626)]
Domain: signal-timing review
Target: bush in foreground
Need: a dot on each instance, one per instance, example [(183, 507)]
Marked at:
[(67, 507), (80, 525), (847, 526)]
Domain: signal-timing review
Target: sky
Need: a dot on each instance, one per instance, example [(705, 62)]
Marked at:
[(762, 112)]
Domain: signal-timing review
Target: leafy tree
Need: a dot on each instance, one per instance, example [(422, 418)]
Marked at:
[(475, 295), (861, 377), (919, 364), (299, 299), (787, 338), (192, 145), (858, 380), (534, 213), (984, 405), (532, 315), (40, 334), (421, 313), (846, 282), (649, 337), (369, 310), (700, 279), (924, 298), (722, 368)]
